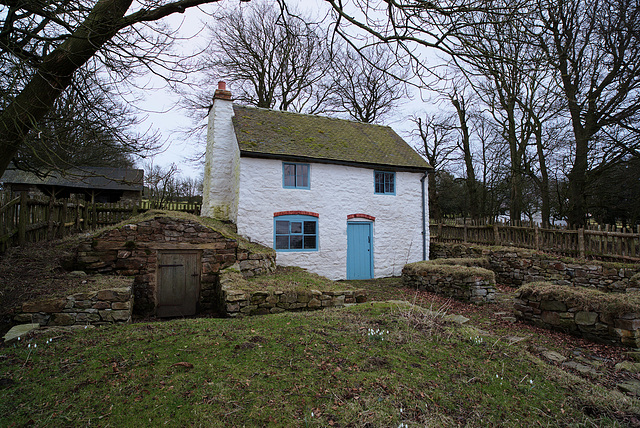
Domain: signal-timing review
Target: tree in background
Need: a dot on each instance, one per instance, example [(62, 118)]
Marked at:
[(437, 145), (594, 48), (285, 61), (274, 60), (43, 46), (366, 84), (86, 127)]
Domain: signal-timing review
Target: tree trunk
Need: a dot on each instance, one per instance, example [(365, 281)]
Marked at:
[(54, 74), (472, 187), (577, 184), (544, 177), (434, 206), (515, 205)]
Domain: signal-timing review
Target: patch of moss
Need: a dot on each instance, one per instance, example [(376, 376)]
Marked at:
[(285, 278), (482, 262), (455, 271), (224, 229)]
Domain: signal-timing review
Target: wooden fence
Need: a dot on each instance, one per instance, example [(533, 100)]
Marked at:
[(600, 242), (24, 219)]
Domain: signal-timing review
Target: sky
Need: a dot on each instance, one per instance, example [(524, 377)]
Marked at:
[(160, 106)]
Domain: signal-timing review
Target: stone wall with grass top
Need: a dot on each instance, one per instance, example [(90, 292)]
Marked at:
[(592, 314), (132, 250), (242, 299), (517, 266), (247, 303), (461, 279), (107, 306)]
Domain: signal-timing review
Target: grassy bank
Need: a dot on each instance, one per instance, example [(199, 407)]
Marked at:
[(376, 365)]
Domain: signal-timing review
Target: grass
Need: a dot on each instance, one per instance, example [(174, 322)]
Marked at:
[(371, 365), (458, 271), (287, 278)]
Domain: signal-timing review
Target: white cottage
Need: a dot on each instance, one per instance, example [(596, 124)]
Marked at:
[(344, 199)]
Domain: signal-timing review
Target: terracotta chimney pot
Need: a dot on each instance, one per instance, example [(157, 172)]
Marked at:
[(222, 93)]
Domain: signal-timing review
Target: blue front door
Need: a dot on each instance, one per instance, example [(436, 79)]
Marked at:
[(359, 250)]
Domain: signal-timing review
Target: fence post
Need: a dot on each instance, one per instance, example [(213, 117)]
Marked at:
[(63, 221), (465, 233), (23, 218), (581, 242), (537, 237), (78, 215), (50, 218), (439, 230), (496, 234)]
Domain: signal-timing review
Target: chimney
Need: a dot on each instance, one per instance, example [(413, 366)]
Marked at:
[(222, 93)]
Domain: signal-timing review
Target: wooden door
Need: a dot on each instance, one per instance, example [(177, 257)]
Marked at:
[(359, 250), (178, 283)]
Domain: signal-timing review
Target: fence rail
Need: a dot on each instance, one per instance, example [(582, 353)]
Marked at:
[(594, 242), (24, 219)]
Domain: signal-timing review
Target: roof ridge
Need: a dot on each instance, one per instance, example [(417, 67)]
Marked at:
[(312, 115)]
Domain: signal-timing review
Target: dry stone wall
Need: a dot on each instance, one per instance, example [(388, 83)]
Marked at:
[(248, 303), (517, 266), (603, 317), (461, 282), (107, 306), (132, 250)]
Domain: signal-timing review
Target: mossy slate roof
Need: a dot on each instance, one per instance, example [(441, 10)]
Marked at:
[(290, 136)]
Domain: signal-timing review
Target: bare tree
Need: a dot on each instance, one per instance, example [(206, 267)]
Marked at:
[(86, 127), (43, 46), (437, 145), (273, 60), (366, 84), (594, 47)]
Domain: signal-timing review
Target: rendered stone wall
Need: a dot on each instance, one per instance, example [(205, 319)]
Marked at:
[(248, 303), (109, 306), (516, 266), (603, 317), (464, 283), (132, 250), (222, 163), (335, 193)]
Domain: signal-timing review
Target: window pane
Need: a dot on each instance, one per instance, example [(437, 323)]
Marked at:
[(296, 242), (379, 182), (309, 227), (289, 175), (296, 227), (391, 182), (282, 242), (310, 242), (282, 227), (302, 176)]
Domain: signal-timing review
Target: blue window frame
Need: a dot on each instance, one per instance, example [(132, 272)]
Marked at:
[(295, 233), (384, 182), (295, 175)]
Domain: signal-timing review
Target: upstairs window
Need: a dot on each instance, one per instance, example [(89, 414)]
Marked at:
[(295, 175), (385, 182), (296, 233)]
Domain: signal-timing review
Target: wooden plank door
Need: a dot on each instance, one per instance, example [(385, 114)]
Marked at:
[(359, 250), (178, 283)]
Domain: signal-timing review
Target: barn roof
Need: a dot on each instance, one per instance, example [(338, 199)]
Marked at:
[(82, 177)]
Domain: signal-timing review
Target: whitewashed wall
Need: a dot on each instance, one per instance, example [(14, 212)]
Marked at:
[(222, 163), (336, 191)]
